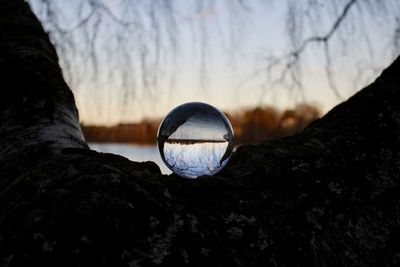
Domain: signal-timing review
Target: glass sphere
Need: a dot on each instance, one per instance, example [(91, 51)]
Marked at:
[(195, 139)]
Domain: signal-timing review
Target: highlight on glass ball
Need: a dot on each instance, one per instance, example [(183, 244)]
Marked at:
[(195, 139)]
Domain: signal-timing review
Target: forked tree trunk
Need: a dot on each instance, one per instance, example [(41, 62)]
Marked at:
[(328, 196)]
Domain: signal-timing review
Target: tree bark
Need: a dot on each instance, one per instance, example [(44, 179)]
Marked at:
[(328, 196), (36, 106)]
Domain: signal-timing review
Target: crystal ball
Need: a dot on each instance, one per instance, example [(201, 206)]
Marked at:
[(195, 139)]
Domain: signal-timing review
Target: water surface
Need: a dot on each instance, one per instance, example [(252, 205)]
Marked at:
[(196, 157), (133, 152)]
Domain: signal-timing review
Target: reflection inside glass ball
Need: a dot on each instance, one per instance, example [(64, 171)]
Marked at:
[(195, 139)]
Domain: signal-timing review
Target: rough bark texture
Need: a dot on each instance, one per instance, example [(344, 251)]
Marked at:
[(36, 105), (328, 196)]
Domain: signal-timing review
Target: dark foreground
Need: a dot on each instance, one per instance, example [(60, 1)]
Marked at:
[(328, 196)]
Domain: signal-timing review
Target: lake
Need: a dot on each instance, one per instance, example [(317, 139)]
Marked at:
[(132, 152)]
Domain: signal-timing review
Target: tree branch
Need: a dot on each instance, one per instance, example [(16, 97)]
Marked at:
[(288, 65), (328, 196), (36, 106)]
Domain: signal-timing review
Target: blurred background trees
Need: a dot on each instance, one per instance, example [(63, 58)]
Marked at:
[(250, 126), (126, 60)]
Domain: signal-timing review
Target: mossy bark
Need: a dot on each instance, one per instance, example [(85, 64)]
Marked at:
[(328, 196)]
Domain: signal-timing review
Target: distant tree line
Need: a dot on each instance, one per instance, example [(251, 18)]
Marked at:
[(250, 126)]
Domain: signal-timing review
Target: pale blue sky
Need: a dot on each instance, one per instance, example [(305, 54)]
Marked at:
[(234, 49)]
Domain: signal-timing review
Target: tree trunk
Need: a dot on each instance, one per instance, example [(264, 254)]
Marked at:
[(328, 196), (37, 108)]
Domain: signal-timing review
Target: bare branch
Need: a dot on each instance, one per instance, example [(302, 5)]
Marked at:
[(287, 69), (325, 38)]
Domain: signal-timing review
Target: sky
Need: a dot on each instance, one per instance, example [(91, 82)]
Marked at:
[(217, 57)]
